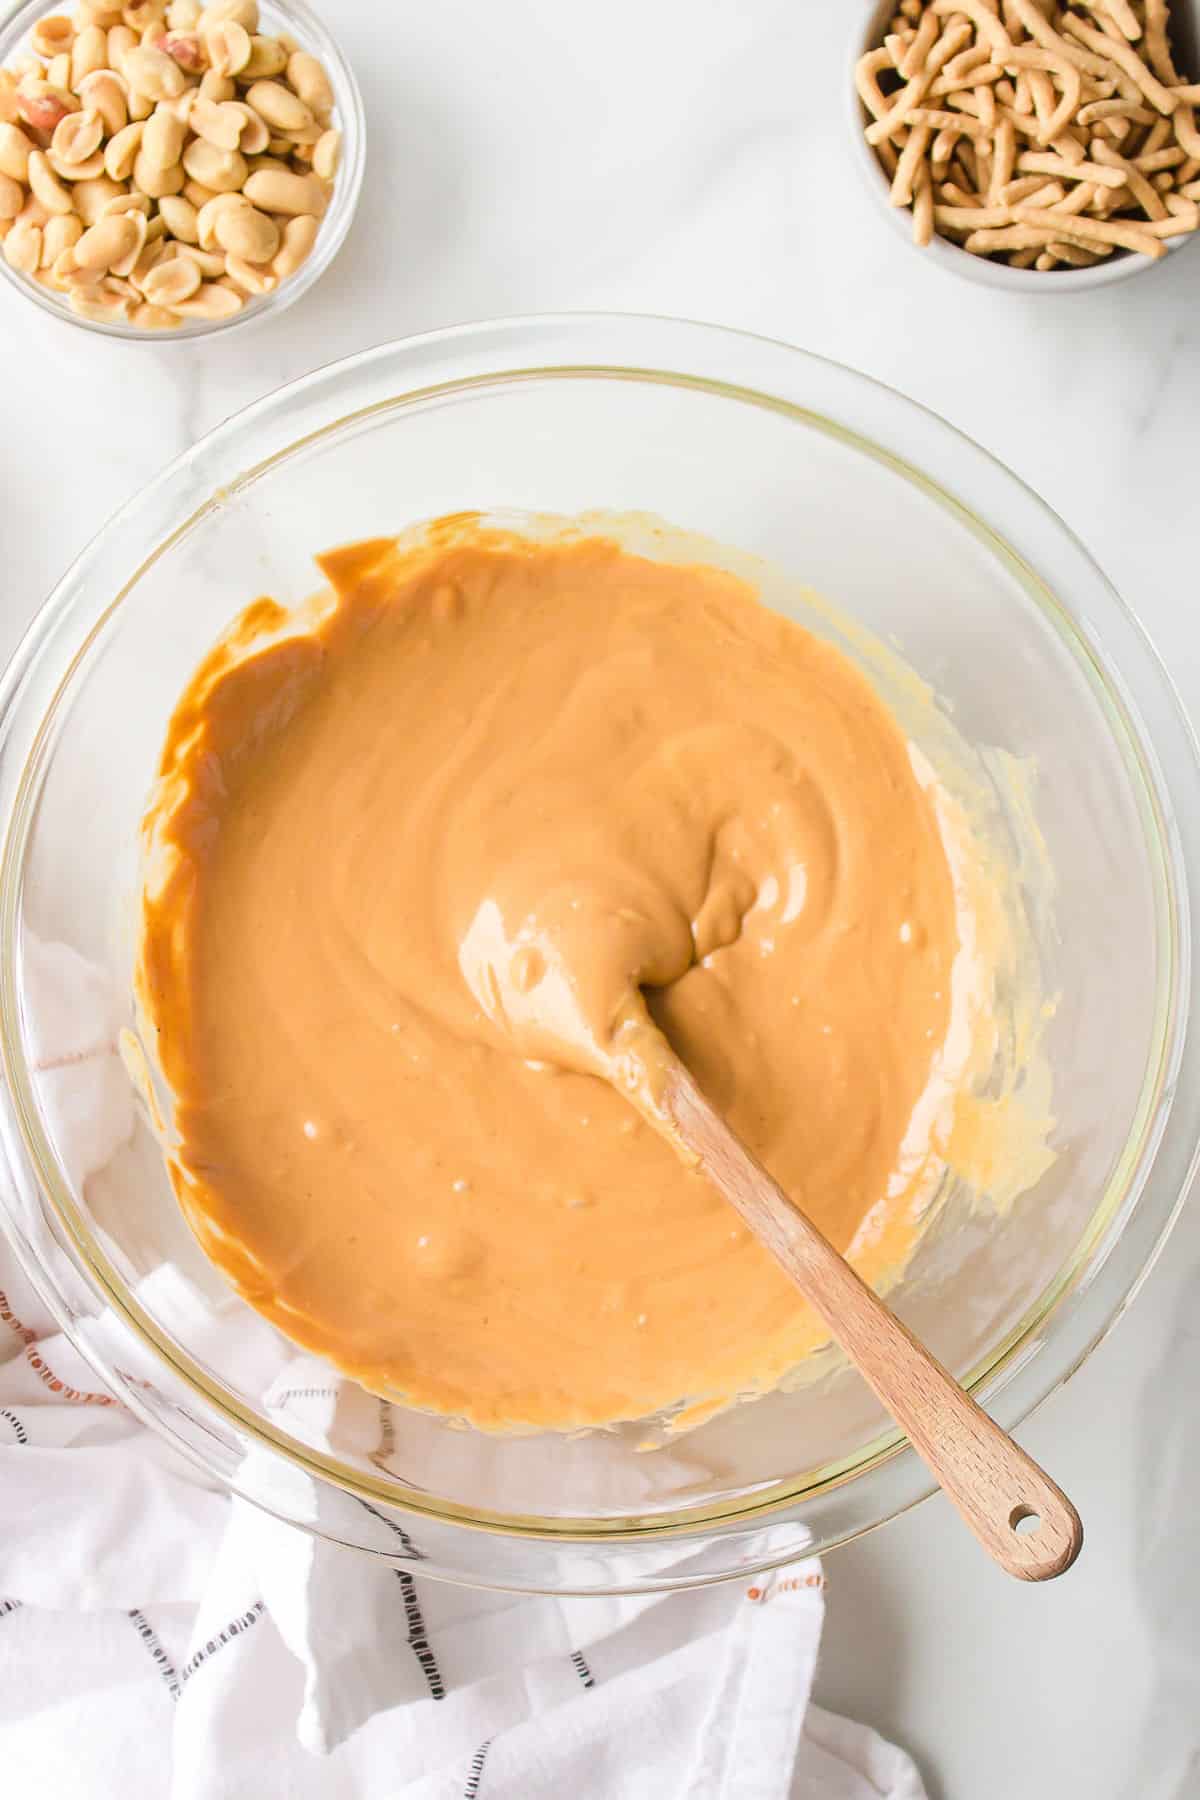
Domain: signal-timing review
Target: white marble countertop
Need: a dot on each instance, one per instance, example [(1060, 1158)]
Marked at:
[(689, 157)]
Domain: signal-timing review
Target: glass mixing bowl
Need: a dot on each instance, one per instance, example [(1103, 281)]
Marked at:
[(840, 483)]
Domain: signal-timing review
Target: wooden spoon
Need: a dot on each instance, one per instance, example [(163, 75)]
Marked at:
[(1021, 1518)]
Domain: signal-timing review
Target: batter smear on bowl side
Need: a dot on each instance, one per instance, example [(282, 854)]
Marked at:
[(412, 839)]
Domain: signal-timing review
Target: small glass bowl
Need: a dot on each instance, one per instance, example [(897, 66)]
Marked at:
[(302, 23)]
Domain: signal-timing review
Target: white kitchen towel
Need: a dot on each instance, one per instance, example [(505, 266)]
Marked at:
[(161, 1641)]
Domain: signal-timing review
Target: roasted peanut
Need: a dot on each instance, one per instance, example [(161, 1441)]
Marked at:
[(12, 197), (282, 110), (246, 233), (8, 98), (241, 12), (58, 72), (120, 153), (23, 248), (45, 185), (153, 73), (104, 93), (14, 152), (153, 252), (62, 269), (326, 155), (255, 135), (145, 15), (90, 197), (227, 45), (267, 57), (84, 171), (278, 193), (152, 318), (219, 122), (179, 217), (299, 236), (60, 233), (120, 42), (211, 263), (162, 139), (222, 170), (173, 279), (89, 52), (154, 180), (130, 202), (185, 48), (125, 263), (183, 15), (34, 213), (254, 278), (108, 241), (216, 87), (310, 81), (98, 303), (42, 106), (77, 136), (52, 35), (206, 218), (210, 301), (181, 108)]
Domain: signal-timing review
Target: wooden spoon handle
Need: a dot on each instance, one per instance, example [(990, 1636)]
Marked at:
[(1018, 1514)]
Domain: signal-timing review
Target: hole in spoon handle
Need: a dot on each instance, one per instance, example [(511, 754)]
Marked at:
[(1024, 1521), (1035, 1535)]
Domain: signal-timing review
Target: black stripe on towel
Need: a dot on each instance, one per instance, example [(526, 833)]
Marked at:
[(19, 1431), (9, 1606), (234, 1629), (581, 1669), (153, 1643), (407, 1548), (475, 1775), (418, 1641)]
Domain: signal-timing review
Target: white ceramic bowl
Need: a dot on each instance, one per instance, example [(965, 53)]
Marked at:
[(869, 24)]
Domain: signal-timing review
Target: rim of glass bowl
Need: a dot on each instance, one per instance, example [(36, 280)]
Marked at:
[(1146, 1189), (297, 17)]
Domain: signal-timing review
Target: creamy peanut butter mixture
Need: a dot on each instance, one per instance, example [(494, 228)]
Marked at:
[(417, 851)]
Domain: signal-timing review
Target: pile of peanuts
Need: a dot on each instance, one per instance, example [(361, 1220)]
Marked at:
[(162, 161)]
